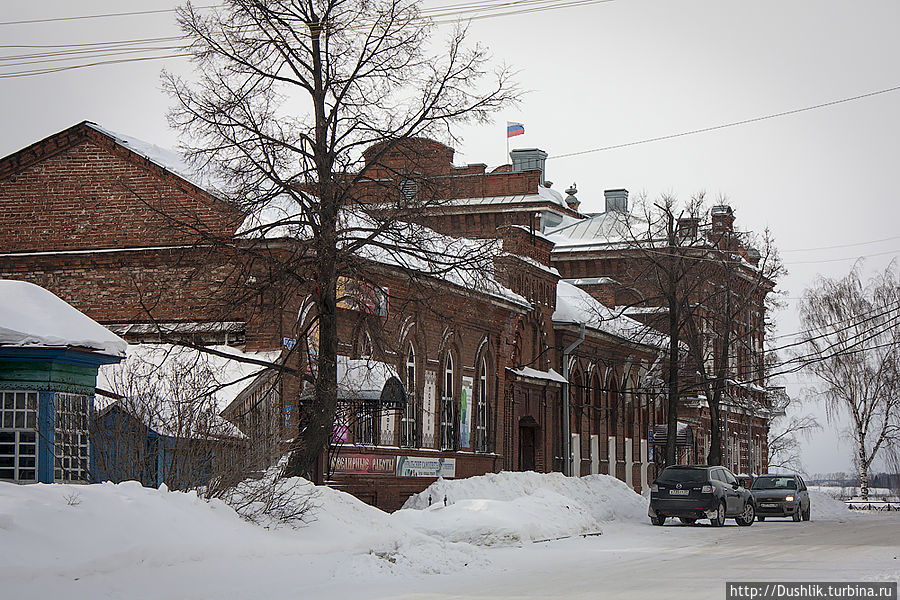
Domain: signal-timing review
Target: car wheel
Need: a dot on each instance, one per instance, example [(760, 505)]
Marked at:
[(719, 519), (748, 516), (806, 514), (760, 518), (687, 520), (796, 515), (658, 520)]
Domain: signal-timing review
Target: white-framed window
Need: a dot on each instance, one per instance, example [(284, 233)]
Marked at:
[(71, 441), (408, 420), (18, 436), (448, 439), (481, 412)]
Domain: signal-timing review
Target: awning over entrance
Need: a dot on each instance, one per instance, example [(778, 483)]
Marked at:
[(370, 381), (684, 437)]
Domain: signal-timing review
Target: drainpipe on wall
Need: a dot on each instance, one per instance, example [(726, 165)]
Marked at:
[(567, 438)]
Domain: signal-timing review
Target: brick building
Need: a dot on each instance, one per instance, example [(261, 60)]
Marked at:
[(123, 231)]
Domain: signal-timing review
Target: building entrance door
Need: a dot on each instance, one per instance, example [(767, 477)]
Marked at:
[(527, 446)]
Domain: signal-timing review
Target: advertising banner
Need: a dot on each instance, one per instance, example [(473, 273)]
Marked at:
[(429, 410), (465, 412), (363, 464), (421, 466)]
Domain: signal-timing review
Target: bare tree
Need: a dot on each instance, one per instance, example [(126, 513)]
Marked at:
[(709, 287), (786, 430), (164, 426), (288, 94), (851, 343), (728, 320)]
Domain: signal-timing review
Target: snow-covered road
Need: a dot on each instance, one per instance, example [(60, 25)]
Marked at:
[(634, 561), (126, 541)]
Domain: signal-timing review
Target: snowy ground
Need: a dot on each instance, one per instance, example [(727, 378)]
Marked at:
[(124, 541)]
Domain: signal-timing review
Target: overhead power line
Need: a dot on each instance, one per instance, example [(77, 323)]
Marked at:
[(101, 16), (732, 124)]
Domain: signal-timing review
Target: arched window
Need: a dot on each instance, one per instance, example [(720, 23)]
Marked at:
[(481, 409), (576, 405), (365, 345), (448, 409), (408, 420)]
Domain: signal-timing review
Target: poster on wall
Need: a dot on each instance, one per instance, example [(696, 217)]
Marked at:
[(420, 466), (429, 409), (465, 412), (362, 297)]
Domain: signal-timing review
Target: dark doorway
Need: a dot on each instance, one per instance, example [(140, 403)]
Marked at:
[(527, 441)]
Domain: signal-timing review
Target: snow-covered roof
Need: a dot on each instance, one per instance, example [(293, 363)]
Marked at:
[(464, 262), (574, 305), (33, 317), (170, 160), (550, 375), (605, 229), (157, 381), (362, 378), (544, 194)]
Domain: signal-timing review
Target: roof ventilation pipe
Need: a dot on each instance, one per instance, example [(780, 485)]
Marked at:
[(567, 437), (528, 159), (616, 200)]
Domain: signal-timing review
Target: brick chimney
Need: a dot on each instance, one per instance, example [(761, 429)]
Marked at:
[(722, 218)]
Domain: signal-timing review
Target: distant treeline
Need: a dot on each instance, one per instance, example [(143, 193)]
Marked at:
[(877, 480)]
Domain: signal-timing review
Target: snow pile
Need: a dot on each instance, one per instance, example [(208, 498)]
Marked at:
[(102, 529), (31, 316), (826, 507), (509, 508)]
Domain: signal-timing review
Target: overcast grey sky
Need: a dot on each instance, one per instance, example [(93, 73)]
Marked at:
[(602, 75)]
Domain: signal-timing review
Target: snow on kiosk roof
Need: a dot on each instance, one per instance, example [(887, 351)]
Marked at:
[(32, 317)]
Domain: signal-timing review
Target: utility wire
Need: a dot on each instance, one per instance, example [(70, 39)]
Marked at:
[(732, 124)]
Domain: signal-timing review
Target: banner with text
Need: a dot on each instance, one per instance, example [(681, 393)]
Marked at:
[(421, 466), (361, 464)]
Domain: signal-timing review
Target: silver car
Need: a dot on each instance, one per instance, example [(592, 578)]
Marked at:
[(780, 496)]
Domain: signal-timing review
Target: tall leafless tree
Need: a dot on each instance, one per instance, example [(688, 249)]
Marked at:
[(713, 299), (728, 320), (286, 96), (851, 335)]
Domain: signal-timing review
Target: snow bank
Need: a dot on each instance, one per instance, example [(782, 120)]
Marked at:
[(99, 528), (80, 530), (825, 507), (510, 508)]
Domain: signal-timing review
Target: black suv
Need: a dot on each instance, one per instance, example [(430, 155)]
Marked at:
[(692, 492)]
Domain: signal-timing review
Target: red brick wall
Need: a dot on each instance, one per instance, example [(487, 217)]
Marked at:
[(96, 194)]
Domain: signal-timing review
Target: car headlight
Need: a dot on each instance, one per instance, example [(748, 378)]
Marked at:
[(789, 498), (706, 489), (654, 488)]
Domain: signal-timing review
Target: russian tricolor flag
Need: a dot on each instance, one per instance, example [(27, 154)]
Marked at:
[(514, 129)]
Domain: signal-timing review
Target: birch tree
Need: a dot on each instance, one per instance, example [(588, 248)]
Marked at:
[(851, 344)]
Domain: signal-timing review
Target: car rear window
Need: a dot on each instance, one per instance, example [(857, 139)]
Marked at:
[(683, 475), (774, 483)]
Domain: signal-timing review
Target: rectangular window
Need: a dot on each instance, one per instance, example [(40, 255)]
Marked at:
[(71, 440), (18, 436)]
